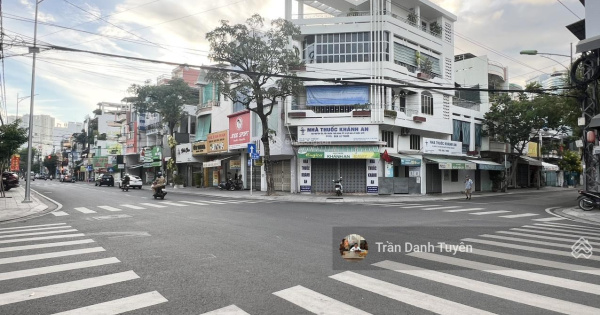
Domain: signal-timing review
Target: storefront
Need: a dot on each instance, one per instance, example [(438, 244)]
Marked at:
[(527, 171), (239, 137), (486, 173), (199, 152), (551, 174), (152, 158), (217, 166), (401, 175), (185, 162), (447, 174)]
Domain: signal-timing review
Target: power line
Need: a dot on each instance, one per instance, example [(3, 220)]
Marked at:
[(568, 9)]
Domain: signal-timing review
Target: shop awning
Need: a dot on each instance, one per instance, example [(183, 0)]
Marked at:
[(550, 167), (530, 161), (453, 164), (488, 165), (339, 152), (215, 163), (406, 160)]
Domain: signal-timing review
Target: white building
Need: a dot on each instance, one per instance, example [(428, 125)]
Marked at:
[(556, 79), (43, 126)]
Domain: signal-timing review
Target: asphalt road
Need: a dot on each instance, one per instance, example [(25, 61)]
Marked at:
[(116, 251)]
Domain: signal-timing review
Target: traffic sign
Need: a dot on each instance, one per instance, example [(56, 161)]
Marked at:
[(251, 148), (255, 156)]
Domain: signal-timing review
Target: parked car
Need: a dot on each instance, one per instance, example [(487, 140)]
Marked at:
[(43, 176), (67, 178), (134, 181), (106, 179), (10, 180), (32, 176)]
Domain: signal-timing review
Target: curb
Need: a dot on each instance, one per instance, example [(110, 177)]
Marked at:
[(42, 212), (571, 217)]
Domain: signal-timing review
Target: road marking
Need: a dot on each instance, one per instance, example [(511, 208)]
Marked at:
[(513, 295), (11, 260), (65, 287), (227, 310), (59, 213), (40, 229), (405, 295), (462, 210), (41, 238), (196, 203), (571, 240), (30, 226), (440, 208), (419, 206), (522, 240), (84, 210), (574, 234), (57, 268), (561, 230), (549, 219), (512, 273), (120, 306), (109, 208), (537, 261), (153, 205), (526, 248), (575, 225), (522, 215), (490, 212), (554, 226), (172, 204), (45, 245), (228, 201), (133, 207), (213, 202), (37, 233), (316, 303)]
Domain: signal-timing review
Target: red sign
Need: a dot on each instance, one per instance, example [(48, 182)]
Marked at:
[(131, 144), (239, 130), (15, 160)]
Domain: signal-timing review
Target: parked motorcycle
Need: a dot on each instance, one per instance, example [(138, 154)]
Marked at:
[(227, 185), (339, 189), (588, 200), (159, 192)]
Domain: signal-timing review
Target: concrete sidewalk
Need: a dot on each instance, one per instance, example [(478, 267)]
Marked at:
[(575, 213), (12, 207)]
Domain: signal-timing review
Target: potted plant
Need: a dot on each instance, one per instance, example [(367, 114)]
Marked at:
[(412, 18), (435, 28), (496, 178), (178, 181), (198, 179)]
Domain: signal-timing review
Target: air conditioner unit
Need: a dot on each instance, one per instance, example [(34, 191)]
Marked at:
[(404, 131)]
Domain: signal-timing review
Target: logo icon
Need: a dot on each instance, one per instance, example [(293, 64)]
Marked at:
[(581, 248), (302, 130), (239, 123)]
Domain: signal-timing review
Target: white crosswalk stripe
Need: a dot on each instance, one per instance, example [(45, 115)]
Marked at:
[(464, 210), (59, 213), (84, 210), (440, 208), (419, 206), (57, 268), (153, 205), (526, 248), (228, 310), (44, 245), (315, 302), (37, 233), (173, 204), (549, 219), (573, 225), (523, 240), (133, 207), (31, 226), (109, 208), (571, 240), (565, 229), (120, 306), (41, 238), (39, 229), (522, 215), (552, 233), (196, 203), (568, 227), (490, 212)]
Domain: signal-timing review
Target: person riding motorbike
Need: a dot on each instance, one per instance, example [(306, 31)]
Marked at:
[(125, 181), (159, 183)]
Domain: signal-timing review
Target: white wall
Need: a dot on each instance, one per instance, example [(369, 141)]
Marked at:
[(449, 187)]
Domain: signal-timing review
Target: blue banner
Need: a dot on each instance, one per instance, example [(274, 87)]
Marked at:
[(336, 95)]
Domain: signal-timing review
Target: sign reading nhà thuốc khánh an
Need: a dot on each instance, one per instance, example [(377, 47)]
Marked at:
[(338, 133), (442, 147)]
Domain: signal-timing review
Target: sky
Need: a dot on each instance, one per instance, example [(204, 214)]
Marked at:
[(68, 85)]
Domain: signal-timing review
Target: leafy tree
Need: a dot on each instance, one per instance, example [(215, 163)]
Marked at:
[(23, 153), (570, 162), (258, 57), (11, 138)]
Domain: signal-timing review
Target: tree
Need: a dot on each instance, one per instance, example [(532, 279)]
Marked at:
[(51, 163), (23, 153), (11, 138), (258, 57), (570, 162)]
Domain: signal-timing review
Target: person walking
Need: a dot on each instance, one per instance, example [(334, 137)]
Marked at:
[(468, 186)]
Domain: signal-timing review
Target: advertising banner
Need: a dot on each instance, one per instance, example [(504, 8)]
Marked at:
[(235, 164), (239, 130), (305, 179), (532, 149), (337, 95), (199, 148), (350, 133), (443, 147), (372, 177), (15, 160), (217, 142), (183, 153)]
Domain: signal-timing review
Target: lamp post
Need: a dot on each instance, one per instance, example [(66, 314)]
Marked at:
[(533, 52), (32, 50), (19, 99)]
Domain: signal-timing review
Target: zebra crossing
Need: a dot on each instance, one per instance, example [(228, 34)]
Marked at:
[(529, 288), (154, 205), (70, 267)]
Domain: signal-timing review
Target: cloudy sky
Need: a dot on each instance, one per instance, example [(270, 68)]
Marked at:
[(69, 85)]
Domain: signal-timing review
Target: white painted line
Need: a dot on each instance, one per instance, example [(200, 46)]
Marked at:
[(537, 261), (513, 273), (30, 226), (84, 210), (463, 210), (513, 295), (490, 212), (574, 234), (558, 226), (65, 287), (229, 201), (440, 208), (153, 205), (41, 238), (57, 268), (523, 240), (522, 215), (227, 310), (213, 202), (575, 225), (45, 245), (418, 299), (133, 207), (15, 259), (419, 206), (571, 240), (315, 302), (109, 208), (38, 233), (119, 306), (59, 213), (196, 203), (527, 248), (40, 229), (172, 204), (567, 230), (549, 219)]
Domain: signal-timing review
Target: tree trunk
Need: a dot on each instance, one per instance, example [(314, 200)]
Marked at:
[(267, 156)]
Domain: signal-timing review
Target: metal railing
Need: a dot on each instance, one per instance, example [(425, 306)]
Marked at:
[(336, 109), (465, 104)]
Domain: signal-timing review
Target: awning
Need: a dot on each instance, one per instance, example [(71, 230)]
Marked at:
[(215, 163), (339, 152), (550, 167), (453, 164), (406, 160), (531, 161), (488, 165)]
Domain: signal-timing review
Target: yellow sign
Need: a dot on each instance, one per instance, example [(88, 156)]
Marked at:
[(217, 142), (532, 149), (235, 164), (215, 178), (199, 148), (258, 162)]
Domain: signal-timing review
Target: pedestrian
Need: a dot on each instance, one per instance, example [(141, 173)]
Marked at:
[(468, 186)]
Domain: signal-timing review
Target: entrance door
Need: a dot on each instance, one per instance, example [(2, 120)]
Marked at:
[(354, 175), (323, 173), (477, 180), (282, 175), (255, 178), (434, 179)]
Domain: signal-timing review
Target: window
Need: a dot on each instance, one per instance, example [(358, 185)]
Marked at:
[(415, 142), (388, 137), (344, 47), (454, 176), (426, 103)]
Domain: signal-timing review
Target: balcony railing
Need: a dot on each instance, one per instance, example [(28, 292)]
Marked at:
[(336, 109), (465, 104)]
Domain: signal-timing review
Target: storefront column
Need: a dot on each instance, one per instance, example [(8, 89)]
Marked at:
[(423, 177), (263, 177), (244, 169), (293, 175)]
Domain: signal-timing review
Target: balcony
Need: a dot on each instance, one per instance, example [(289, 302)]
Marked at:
[(206, 107), (349, 109), (465, 104)]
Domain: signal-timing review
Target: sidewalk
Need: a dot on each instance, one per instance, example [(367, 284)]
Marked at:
[(575, 213), (12, 207)]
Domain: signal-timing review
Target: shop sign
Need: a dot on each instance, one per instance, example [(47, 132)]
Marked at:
[(389, 169), (199, 148), (338, 133), (410, 162), (372, 177), (215, 163), (100, 162), (216, 178), (239, 130), (304, 180), (444, 147), (532, 149), (457, 166), (414, 172), (258, 162), (339, 155), (15, 160), (183, 153), (217, 142), (235, 164)]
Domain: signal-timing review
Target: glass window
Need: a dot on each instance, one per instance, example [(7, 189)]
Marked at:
[(354, 58), (319, 49), (342, 48), (367, 36), (336, 38), (330, 59), (330, 49), (336, 49), (360, 58), (360, 37), (330, 38), (360, 48), (336, 58), (354, 48), (354, 37)]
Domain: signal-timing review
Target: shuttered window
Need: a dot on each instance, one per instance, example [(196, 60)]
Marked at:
[(405, 56)]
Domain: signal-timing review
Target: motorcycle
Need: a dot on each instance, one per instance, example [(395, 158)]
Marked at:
[(159, 192), (227, 185), (339, 189), (588, 200), (125, 184)]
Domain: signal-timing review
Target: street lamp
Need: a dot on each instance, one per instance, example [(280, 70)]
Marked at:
[(19, 99), (32, 50), (533, 52)]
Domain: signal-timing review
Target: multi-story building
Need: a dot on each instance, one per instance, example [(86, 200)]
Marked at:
[(43, 137), (556, 79)]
